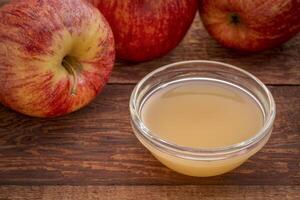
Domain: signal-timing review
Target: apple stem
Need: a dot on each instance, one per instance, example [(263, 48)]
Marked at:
[(72, 71), (234, 18)]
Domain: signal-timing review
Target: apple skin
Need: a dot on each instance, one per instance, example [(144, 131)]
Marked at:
[(251, 25), (147, 29), (55, 56)]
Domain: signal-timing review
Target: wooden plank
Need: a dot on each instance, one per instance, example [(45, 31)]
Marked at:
[(150, 192), (96, 146), (278, 66), (2, 2)]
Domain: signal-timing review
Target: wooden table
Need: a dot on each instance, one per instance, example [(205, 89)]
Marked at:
[(93, 154)]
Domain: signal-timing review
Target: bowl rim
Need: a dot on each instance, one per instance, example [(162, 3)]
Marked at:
[(195, 152)]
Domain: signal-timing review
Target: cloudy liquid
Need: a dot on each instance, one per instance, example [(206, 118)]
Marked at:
[(203, 114)]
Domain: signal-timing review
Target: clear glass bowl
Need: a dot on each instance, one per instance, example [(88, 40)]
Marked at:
[(201, 161)]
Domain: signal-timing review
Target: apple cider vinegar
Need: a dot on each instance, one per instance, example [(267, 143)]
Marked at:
[(202, 118), (202, 114)]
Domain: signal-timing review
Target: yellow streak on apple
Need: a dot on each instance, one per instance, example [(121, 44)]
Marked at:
[(80, 44)]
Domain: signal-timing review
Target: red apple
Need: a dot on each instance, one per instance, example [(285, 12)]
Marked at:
[(55, 56), (251, 25), (147, 29)]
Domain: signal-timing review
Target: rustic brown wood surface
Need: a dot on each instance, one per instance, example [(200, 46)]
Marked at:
[(93, 154), (96, 146), (151, 192)]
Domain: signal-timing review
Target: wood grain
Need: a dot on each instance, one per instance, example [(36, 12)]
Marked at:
[(279, 66), (150, 192), (96, 146), (2, 2)]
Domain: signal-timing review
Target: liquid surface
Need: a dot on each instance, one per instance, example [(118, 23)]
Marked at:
[(202, 114)]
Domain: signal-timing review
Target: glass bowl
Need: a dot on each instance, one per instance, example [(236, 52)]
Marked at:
[(201, 162)]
